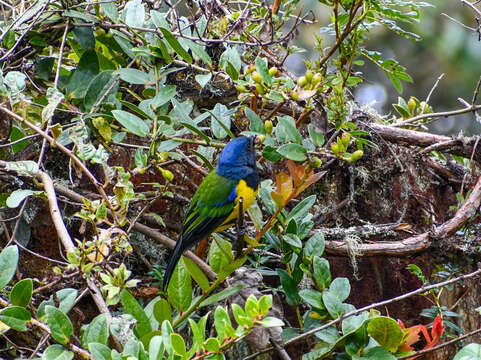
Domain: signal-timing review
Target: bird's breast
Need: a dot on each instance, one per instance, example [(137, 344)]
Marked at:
[(248, 195)]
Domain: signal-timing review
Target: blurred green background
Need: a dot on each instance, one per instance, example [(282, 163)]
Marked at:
[(447, 47)]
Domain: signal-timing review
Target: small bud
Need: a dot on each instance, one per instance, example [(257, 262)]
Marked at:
[(411, 105), (302, 81), (250, 69), (256, 77), (260, 89), (309, 75), (316, 162), (167, 174), (294, 96), (316, 79), (334, 148), (163, 156), (241, 88), (345, 139), (424, 107), (356, 155), (268, 126), (273, 71), (141, 171), (260, 139)]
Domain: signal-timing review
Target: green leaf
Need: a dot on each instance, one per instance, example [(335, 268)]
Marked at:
[(162, 311), (57, 352), (317, 138), (84, 36), (166, 328), (241, 317), (175, 45), (195, 130), (289, 287), (301, 210), (27, 167), (16, 317), (293, 152), (99, 351), (212, 344), (378, 353), (17, 196), (230, 62), (133, 76), (286, 130), (86, 17), (322, 272), (221, 122), (196, 273), (203, 79), (293, 240), (178, 344), (8, 264), (110, 9), (86, 70), (386, 332), (270, 322), (132, 307), (222, 323), (312, 297), (221, 295), (179, 290), (22, 293), (353, 323), (156, 348), (198, 331), (263, 69), (67, 298), (469, 352), (134, 13), (315, 245), (98, 87), (163, 96), (17, 134), (140, 158), (131, 122), (341, 288), (332, 304), (59, 324), (97, 331), (138, 110), (256, 123), (270, 153), (43, 67), (220, 253), (265, 303)]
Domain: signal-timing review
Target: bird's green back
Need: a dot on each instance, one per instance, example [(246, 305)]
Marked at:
[(211, 201)]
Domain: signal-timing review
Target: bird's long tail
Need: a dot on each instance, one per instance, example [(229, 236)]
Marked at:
[(174, 259)]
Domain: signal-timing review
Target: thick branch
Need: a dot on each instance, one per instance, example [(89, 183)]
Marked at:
[(419, 242), (464, 146)]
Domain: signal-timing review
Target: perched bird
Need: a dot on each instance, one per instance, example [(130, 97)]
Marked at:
[(215, 205)]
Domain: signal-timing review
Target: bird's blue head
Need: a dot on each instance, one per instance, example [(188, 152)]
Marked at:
[(238, 159)]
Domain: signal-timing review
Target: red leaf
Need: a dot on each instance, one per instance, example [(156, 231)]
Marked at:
[(436, 331), (413, 335), (310, 180), (284, 185)]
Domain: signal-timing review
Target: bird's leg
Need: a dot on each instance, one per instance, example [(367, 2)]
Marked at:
[(241, 228)]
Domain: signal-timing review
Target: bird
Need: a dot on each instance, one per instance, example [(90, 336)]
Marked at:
[(215, 205)]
